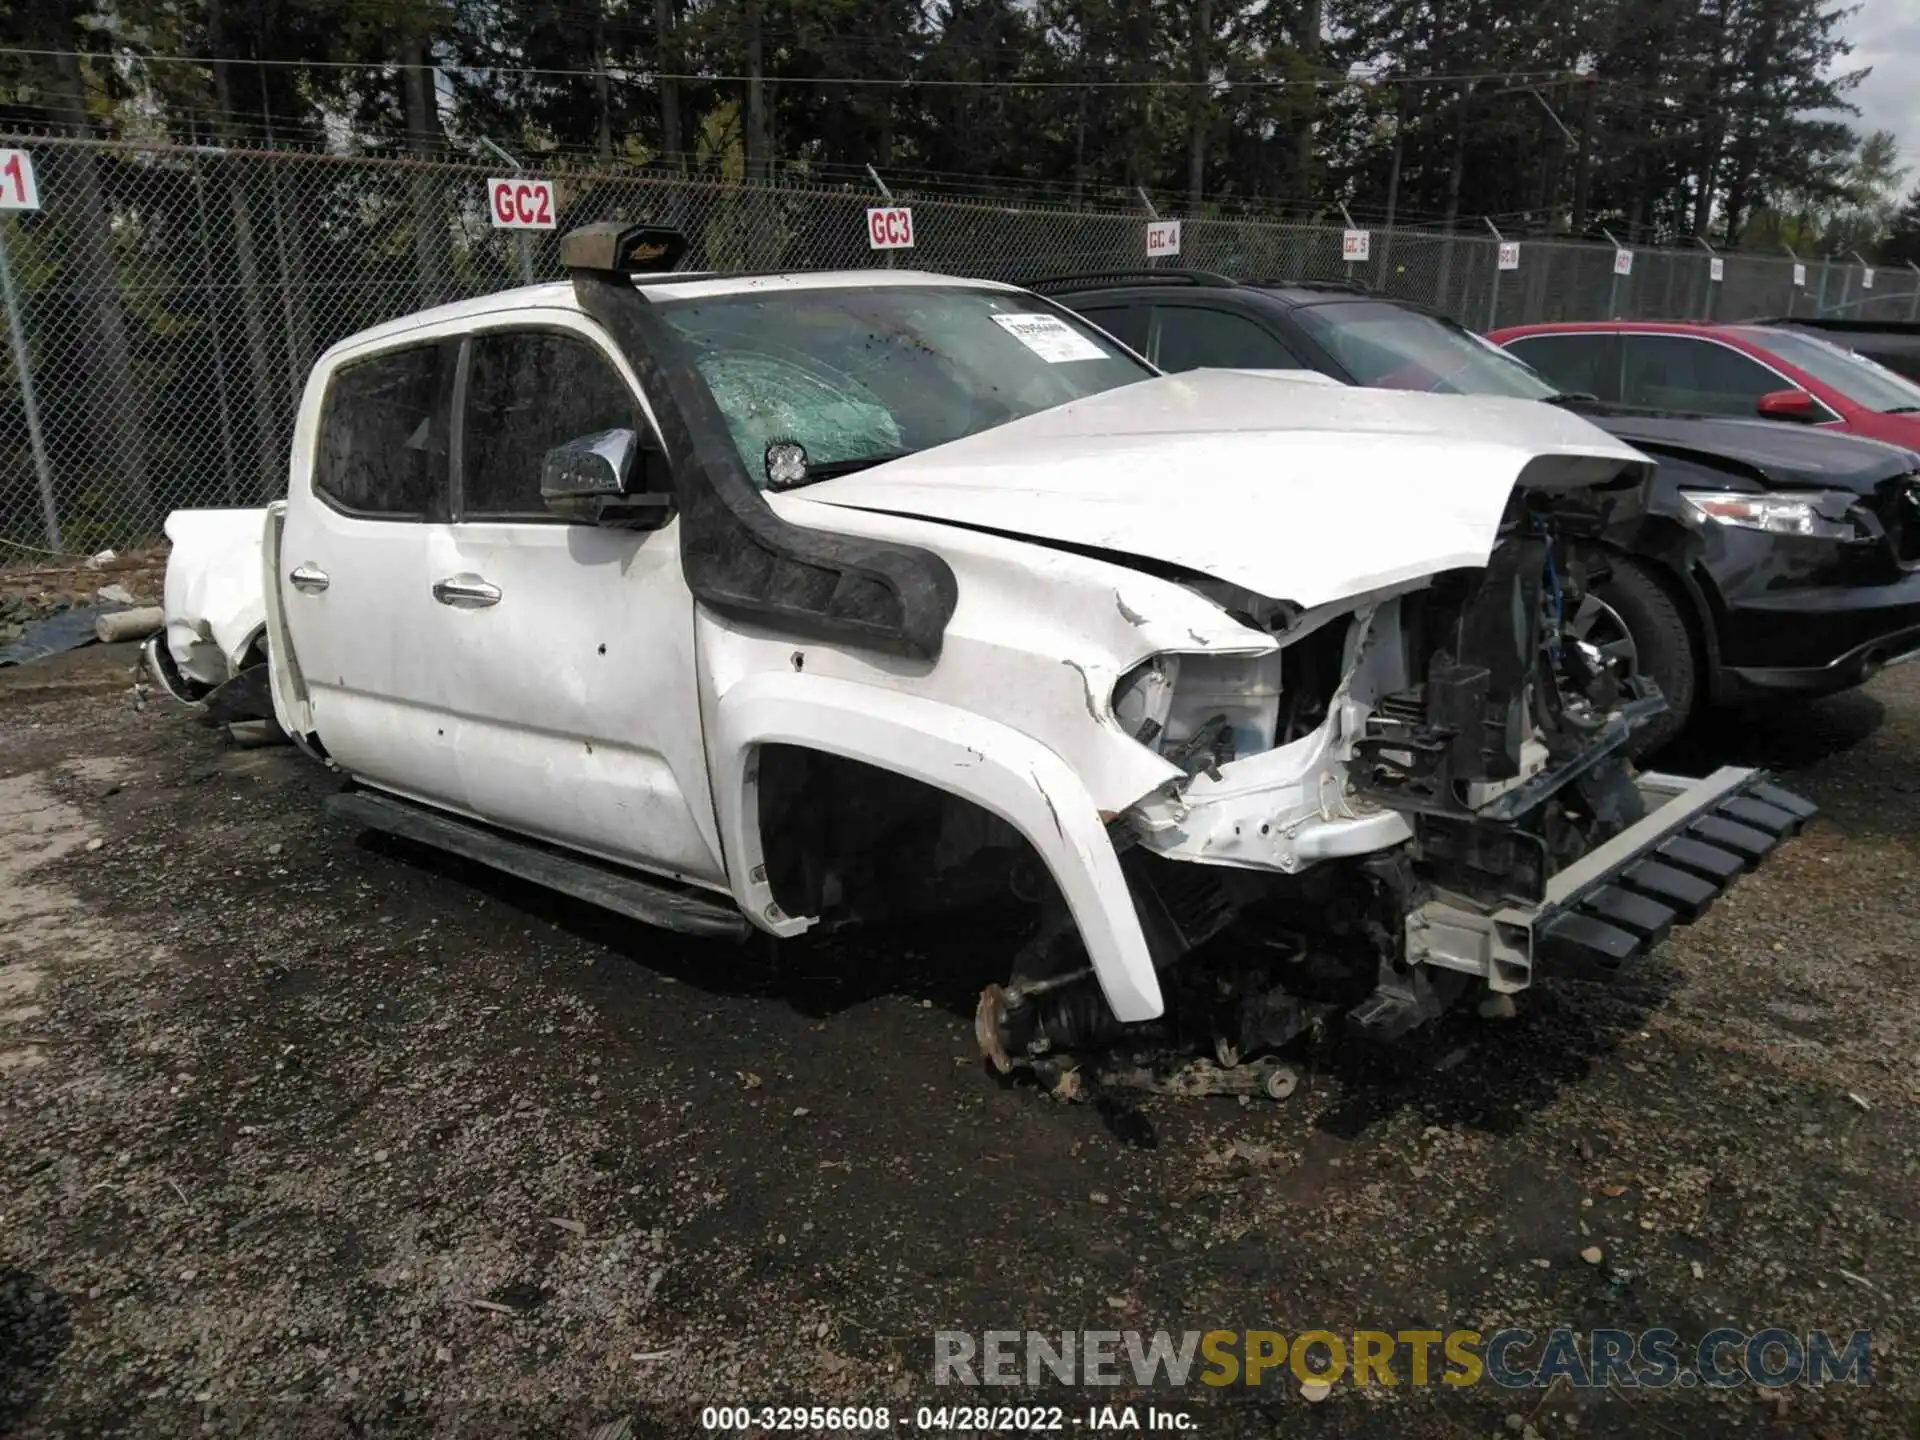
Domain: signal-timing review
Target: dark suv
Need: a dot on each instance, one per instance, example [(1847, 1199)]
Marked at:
[(1772, 559)]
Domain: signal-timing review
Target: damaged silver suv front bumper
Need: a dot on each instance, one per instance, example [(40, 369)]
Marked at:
[(1621, 898)]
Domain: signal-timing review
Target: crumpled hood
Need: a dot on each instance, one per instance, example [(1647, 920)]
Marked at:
[(1302, 493)]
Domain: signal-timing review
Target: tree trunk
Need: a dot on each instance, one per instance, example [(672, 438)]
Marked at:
[(1583, 166), (1080, 139), (1393, 183), (756, 94), (602, 87), (1456, 172), (423, 136), (1200, 103), (290, 243), (667, 60), (116, 413), (1303, 137), (266, 415), (1707, 166)]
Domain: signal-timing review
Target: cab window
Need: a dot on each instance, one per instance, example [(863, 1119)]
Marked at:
[(382, 447), (527, 392)]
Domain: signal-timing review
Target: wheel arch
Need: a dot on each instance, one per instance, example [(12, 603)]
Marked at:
[(1010, 775), (1664, 550)]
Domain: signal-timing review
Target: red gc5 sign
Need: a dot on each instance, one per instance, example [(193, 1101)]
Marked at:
[(519, 204), (890, 227)]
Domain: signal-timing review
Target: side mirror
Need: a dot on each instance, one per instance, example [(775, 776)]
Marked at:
[(1786, 405), (616, 478)]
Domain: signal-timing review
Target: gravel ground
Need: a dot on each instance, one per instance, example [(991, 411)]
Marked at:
[(303, 1132), (33, 592)]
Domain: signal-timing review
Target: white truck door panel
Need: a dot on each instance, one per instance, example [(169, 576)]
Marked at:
[(577, 718), (567, 648), (368, 490)]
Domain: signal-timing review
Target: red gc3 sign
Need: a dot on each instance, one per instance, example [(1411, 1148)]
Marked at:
[(890, 227), (519, 204)]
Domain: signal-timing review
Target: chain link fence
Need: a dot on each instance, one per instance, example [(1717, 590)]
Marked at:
[(166, 302)]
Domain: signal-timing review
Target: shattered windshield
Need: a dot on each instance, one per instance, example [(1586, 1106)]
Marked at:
[(856, 376), (1400, 349)]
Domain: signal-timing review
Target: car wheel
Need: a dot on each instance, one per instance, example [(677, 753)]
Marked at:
[(1632, 619)]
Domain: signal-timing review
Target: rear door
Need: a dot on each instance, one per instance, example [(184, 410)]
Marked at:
[(574, 714), (367, 494)]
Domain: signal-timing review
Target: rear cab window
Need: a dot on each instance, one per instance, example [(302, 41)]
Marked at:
[(383, 444)]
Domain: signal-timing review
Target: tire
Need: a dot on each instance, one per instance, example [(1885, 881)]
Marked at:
[(1630, 614)]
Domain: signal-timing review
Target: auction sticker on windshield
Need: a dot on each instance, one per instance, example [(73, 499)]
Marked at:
[(1050, 337)]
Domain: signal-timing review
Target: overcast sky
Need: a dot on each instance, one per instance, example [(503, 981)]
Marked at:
[(1886, 35)]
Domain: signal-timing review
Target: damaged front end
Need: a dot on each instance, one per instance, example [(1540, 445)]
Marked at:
[(1418, 798)]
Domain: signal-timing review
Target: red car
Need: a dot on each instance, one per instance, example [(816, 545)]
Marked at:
[(1735, 370)]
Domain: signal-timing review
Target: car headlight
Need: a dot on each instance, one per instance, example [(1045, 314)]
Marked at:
[(1182, 704), (1821, 514)]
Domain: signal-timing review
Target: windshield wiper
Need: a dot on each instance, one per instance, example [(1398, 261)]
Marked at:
[(1901, 410), (1570, 397)]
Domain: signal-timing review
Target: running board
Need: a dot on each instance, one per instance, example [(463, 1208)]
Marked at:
[(653, 902)]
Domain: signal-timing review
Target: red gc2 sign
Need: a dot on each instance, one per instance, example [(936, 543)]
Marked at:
[(521, 204), (890, 227)]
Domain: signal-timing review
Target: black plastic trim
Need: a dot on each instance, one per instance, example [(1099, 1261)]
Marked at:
[(739, 557)]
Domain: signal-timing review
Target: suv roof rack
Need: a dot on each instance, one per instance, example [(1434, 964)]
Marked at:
[(1098, 279)]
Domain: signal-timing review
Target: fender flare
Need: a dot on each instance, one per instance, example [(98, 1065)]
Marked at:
[(999, 769)]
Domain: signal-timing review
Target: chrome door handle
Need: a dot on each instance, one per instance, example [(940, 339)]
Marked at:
[(466, 592), (309, 578)]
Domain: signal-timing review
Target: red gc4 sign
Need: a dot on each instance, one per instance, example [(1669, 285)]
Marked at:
[(519, 204), (890, 227)]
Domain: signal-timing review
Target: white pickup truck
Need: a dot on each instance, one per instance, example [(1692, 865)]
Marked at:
[(751, 602)]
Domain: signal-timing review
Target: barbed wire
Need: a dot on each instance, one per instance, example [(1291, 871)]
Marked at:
[(650, 75)]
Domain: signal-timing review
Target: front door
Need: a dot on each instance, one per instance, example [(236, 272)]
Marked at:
[(568, 647)]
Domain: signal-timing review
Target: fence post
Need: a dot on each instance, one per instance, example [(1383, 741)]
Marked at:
[(1913, 304), (886, 195), (1613, 289), (519, 236), (1153, 261), (1793, 290), (1706, 309), (49, 514), (1493, 291)]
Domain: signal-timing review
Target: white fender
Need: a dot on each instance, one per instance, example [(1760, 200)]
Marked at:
[(1009, 774)]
